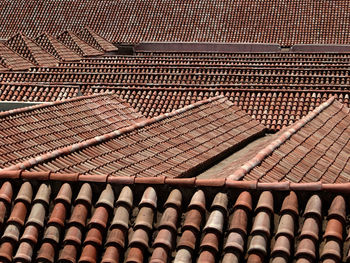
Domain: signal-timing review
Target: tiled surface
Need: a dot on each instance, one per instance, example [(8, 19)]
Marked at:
[(114, 223), (96, 41), (37, 92), (316, 148), (56, 48), (29, 132), (13, 61), (31, 51), (276, 21), (176, 144)]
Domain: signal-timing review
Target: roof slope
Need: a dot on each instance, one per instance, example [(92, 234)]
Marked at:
[(31, 51), (12, 60), (130, 21), (35, 130), (56, 48), (79, 46), (174, 144), (96, 41), (316, 148), (95, 222)]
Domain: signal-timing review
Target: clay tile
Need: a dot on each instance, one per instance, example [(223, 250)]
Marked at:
[(188, 239), (174, 199), (125, 197), (7, 174), (210, 241), (246, 185), (135, 255), (6, 192), (89, 254), (121, 218), (52, 234), (164, 239), (239, 221), (68, 254), (71, 177), (35, 175), (258, 244), (169, 219), (255, 258), (265, 202), (140, 237), (121, 180), (332, 249), (197, 201), (231, 257), (30, 234), (206, 257), (282, 246), (306, 247), (37, 215), (193, 220), (145, 218), (149, 198), (338, 208), (100, 217), (85, 194), (111, 255), (6, 251), (236, 241), (220, 201), (215, 221), (24, 252), (159, 255), (183, 256), (18, 213), (262, 223), (310, 228), (43, 194), (94, 236), (280, 258), (290, 204), (58, 215), (286, 226), (94, 178), (314, 206), (189, 182), (106, 197), (74, 235), (244, 200), (79, 215), (11, 232), (46, 253), (25, 193), (65, 194), (116, 237), (334, 229)]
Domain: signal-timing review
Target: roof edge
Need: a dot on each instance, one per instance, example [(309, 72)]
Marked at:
[(102, 138), (267, 150)]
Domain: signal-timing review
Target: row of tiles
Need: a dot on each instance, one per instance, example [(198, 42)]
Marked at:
[(155, 224), (20, 52), (289, 23)]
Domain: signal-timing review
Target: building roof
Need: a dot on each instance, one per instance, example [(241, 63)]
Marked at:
[(98, 222), (313, 149), (175, 144), (12, 60), (96, 41), (33, 131), (56, 48), (276, 21), (31, 51)]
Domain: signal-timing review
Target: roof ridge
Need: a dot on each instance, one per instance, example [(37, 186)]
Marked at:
[(48, 104), (15, 52), (267, 150), (105, 137)]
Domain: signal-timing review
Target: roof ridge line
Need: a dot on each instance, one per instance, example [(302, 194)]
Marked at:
[(102, 138), (48, 104), (267, 150), (177, 182)]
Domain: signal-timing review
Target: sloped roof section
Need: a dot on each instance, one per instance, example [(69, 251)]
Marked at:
[(12, 60), (35, 130), (72, 41), (56, 48), (31, 51), (96, 41), (98, 222), (173, 144), (316, 148)]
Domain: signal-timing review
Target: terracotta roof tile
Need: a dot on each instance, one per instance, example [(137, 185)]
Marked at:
[(12, 60), (96, 41)]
